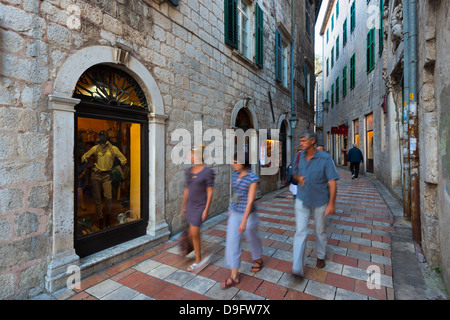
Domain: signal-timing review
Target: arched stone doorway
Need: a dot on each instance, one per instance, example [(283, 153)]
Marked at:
[(244, 117), (62, 105), (111, 159), (285, 145)]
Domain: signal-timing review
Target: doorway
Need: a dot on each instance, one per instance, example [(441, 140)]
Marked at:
[(369, 143), (111, 160)]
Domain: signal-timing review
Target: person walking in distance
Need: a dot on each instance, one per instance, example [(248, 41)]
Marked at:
[(355, 157), (316, 194), (197, 198), (242, 219)]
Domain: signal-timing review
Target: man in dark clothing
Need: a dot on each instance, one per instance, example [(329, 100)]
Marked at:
[(355, 157)]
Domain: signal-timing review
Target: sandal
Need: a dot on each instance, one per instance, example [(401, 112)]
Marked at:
[(230, 282), (257, 266), (200, 265)]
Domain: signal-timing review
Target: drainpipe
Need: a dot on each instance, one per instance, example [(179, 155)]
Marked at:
[(406, 79), (292, 81), (413, 122)]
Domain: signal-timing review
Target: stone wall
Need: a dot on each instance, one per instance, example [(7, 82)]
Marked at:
[(370, 90), (198, 75), (434, 124)]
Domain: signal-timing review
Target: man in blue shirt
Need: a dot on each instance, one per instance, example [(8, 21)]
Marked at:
[(316, 175), (355, 157)]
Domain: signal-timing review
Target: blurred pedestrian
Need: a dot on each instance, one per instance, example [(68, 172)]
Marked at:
[(242, 219), (289, 173), (355, 157), (316, 194), (197, 196)]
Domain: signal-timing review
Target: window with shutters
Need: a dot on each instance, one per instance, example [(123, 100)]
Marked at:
[(309, 79), (371, 50), (239, 32), (281, 59), (307, 18), (344, 34), (352, 71), (332, 58), (337, 90), (259, 43), (352, 17), (231, 23), (284, 63), (337, 9), (344, 82), (244, 28), (380, 31), (332, 95), (337, 48), (328, 67)]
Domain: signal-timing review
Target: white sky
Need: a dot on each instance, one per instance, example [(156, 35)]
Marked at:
[(318, 38)]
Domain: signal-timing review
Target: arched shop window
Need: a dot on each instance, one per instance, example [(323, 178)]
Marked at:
[(111, 159)]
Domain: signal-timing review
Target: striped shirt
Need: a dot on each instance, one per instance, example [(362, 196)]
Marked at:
[(241, 187)]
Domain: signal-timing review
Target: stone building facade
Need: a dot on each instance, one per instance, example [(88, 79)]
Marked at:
[(177, 68), (384, 93), (434, 132), (360, 60)]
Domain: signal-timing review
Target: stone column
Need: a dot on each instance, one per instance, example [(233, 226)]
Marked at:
[(157, 225), (62, 248)]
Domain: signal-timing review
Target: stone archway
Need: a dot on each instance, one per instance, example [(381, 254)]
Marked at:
[(244, 105), (62, 105)]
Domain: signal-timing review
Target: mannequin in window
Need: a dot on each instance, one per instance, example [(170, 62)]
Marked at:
[(104, 154)]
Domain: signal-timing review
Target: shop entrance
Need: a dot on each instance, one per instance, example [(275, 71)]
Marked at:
[(369, 143), (111, 160)]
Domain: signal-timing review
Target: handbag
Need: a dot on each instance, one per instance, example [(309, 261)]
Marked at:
[(185, 243)]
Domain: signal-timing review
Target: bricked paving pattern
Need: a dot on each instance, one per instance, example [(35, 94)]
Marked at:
[(359, 236)]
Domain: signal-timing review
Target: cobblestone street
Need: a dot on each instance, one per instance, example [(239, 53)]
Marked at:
[(359, 237)]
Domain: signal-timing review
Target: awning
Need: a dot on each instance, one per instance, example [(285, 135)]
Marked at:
[(341, 130)]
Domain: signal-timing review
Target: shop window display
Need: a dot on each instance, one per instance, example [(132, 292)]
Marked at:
[(111, 159), (108, 174)]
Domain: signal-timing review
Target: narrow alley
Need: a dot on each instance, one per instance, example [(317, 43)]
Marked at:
[(360, 240)]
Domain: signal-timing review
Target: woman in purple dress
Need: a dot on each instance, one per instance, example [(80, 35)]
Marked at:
[(197, 198)]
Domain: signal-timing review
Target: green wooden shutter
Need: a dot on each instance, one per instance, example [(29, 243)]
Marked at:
[(278, 57), (259, 58), (332, 95), (332, 58), (352, 17), (344, 82), (337, 90), (337, 48), (380, 32), (370, 50), (352, 72), (337, 9), (231, 23), (328, 67), (344, 33)]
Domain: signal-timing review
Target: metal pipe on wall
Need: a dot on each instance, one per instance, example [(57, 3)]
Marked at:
[(413, 121), (406, 77), (292, 80)]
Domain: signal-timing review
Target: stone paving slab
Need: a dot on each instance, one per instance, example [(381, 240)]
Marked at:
[(359, 238)]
